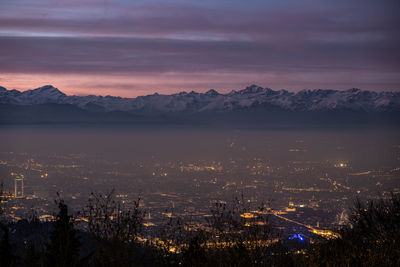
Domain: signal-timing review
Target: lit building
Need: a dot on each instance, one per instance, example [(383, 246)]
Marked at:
[(19, 186)]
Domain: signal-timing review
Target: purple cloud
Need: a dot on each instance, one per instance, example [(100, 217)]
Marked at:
[(153, 38)]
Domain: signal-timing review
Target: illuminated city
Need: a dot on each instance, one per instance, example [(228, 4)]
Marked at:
[(299, 188), (199, 133)]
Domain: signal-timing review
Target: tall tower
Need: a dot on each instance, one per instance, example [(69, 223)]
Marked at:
[(19, 186)]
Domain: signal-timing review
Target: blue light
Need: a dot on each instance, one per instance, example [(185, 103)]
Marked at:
[(298, 236)]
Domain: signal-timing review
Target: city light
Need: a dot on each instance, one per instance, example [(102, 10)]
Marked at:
[(297, 236)]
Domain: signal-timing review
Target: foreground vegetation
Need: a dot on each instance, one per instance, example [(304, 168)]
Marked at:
[(112, 235)]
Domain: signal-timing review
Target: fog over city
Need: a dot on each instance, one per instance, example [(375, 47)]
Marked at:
[(183, 170)]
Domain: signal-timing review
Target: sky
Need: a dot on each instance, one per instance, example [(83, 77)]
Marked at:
[(130, 48)]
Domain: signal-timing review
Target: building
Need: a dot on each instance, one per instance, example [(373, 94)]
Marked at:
[(19, 186)]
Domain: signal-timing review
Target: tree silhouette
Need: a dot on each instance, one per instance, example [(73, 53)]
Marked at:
[(6, 256), (372, 238), (63, 249), (31, 257), (113, 229)]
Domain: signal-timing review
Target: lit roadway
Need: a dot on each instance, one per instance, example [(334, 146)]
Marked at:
[(324, 233)]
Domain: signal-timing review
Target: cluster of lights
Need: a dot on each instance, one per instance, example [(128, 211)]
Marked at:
[(341, 165), (297, 236)]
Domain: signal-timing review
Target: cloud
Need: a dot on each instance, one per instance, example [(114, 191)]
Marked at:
[(252, 39), (126, 55)]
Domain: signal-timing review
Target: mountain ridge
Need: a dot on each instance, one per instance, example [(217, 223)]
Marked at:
[(252, 105), (251, 97)]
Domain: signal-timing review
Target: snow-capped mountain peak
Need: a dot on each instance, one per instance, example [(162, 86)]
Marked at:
[(252, 97), (42, 95), (212, 92), (47, 90), (254, 89)]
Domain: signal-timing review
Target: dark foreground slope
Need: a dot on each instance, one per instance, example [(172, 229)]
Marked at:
[(114, 237)]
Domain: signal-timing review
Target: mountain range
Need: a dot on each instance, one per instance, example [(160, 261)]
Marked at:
[(253, 104)]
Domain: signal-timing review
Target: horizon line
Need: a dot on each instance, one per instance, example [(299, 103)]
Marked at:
[(208, 90)]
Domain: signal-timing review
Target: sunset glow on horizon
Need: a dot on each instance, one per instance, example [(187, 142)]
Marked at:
[(127, 49)]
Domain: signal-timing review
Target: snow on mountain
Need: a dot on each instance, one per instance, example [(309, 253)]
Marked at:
[(252, 97), (212, 92), (42, 95)]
